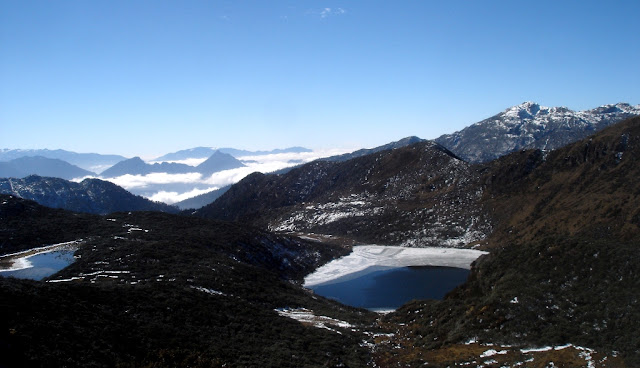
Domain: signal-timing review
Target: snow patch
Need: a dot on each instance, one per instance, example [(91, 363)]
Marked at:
[(306, 316), (208, 291)]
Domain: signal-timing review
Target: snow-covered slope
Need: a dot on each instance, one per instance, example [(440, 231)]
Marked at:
[(530, 125)]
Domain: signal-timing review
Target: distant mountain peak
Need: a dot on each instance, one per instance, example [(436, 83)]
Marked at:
[(218, 161), (205, 152)]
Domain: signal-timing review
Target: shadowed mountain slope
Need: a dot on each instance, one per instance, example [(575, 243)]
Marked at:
[(89, 196), (416, 195)]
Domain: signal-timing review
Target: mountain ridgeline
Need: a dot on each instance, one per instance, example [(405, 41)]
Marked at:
[(218, 161), (89, 161)]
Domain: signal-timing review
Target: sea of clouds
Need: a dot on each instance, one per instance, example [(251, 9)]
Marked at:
[(172, 188)]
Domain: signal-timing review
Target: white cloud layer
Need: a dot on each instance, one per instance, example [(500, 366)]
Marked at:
[(129, 181), (173, 197)]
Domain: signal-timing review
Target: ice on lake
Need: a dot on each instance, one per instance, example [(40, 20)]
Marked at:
[(383, 278)]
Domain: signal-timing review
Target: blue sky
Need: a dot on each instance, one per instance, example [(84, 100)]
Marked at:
[(150, 77)]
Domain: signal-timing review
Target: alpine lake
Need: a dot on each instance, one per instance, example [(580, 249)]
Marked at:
[(382, 278)]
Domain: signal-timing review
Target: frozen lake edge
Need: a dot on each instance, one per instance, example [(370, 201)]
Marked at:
[(369, 258)]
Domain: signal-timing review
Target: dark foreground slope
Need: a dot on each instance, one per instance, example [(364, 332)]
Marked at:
[(417, 195), (564, 264), (89, 196), (152, 289), (24, 224)]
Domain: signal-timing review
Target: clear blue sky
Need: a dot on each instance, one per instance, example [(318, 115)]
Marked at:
[(149, 77)]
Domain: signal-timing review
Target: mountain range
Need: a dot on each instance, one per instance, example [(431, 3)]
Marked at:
[(204, 152), (530, 125), (218, 161), (89, 161)]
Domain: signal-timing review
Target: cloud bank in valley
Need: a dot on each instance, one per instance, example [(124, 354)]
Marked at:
[(172, 188)]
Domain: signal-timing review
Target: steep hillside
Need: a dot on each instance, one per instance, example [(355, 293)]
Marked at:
[(563, 267), (89, 196), (530, 125), (418, 195), (588, 188)]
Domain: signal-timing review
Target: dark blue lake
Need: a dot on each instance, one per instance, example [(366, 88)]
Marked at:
[(387, 289), (44, 265)]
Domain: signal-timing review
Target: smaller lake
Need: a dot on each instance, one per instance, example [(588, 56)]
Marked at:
[(43, 265), (389, 288)]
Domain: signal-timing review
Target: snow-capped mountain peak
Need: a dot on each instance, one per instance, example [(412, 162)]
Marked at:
[(530, 125), (525, 110)]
